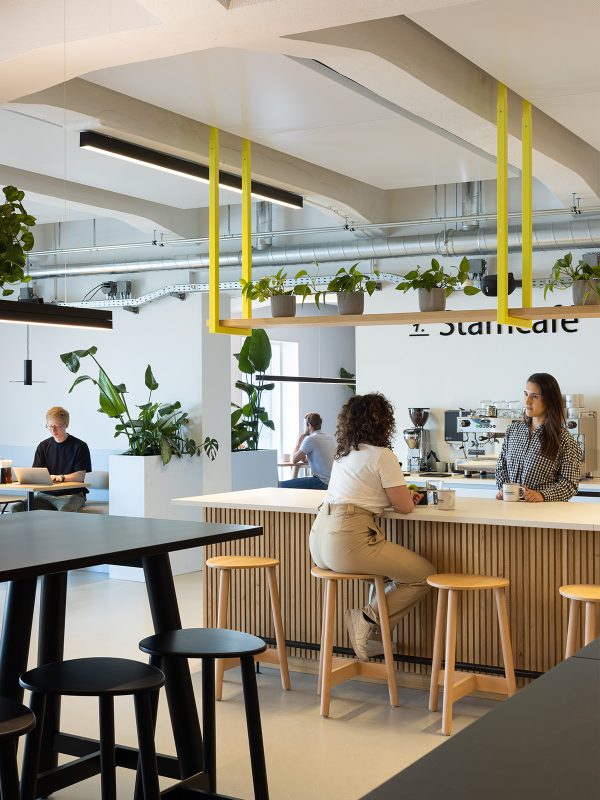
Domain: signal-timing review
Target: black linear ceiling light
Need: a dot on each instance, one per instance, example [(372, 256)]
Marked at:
[(57, 316), (127, 151), (300, 379)]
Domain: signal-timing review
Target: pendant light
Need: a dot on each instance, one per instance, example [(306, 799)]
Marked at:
[(28, 368)]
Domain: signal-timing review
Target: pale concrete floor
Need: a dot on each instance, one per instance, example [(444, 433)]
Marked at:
[(363, 743)]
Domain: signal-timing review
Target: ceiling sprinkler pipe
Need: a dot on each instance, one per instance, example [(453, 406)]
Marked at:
[(578, 234)]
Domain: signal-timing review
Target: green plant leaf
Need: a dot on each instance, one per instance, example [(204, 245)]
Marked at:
[(211, 447), (471, 290), (114, 401), (81, 379), (149, 379), (166, 451), (259, 351)]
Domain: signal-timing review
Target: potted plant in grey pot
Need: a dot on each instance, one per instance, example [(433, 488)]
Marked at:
[(583, 278), (153, 470), (16, 240), (351, 286), (283, 300), (434, 284), (251, 467)]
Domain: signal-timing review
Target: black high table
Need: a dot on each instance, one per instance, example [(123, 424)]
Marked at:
[(48, 544)]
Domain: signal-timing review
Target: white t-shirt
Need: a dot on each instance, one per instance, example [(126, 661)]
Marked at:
[(362, 476)]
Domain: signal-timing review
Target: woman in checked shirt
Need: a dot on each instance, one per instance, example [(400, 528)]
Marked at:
[(539, 453)]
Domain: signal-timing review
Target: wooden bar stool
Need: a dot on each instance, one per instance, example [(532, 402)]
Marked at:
[(454, 688), (277, 655), (579, 593), (15, 721), (333, 671), (104, 678)]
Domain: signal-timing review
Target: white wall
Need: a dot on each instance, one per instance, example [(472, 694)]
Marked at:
[(455, 371)]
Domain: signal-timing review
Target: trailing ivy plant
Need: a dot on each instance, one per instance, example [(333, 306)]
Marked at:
[(247, 421), (565, 274), (270, 286), (435, 277), (16, 240), (158, 429), (353, 280)]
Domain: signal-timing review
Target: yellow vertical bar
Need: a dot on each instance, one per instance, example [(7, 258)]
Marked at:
[(213, 230), (502, 202), (246, 224), (526, 188)]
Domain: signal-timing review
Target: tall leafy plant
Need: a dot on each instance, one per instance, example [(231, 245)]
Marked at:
[(247, 420), (158, 429), (435, 277), (16, 240)]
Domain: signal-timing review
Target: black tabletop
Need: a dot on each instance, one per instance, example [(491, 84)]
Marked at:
[(591, 651), (542, 743), (44, 542)]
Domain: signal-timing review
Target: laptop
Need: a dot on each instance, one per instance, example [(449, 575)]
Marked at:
[(33, 475)]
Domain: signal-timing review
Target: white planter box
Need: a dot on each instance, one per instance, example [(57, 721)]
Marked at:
[(140, 486), (253, 469)]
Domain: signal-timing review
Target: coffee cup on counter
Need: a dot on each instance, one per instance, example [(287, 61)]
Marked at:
[(444, 499), (512, 492)]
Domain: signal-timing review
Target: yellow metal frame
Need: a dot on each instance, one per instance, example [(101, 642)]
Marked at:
[(526, 206), (503, 316), (214, 325)]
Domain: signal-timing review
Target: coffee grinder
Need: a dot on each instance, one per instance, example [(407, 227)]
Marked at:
[(417, 440)]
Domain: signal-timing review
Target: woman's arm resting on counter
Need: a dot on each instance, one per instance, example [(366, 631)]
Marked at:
[(402, 499)]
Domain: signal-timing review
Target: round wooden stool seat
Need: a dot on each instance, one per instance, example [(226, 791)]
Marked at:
[(586, 592), (15, 719), (203, 642), (241, 562), (93, 677), (317, 572), (459, 583)]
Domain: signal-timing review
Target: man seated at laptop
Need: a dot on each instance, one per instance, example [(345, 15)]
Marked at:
[(66, 458)]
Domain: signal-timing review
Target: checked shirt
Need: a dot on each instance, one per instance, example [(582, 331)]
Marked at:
[(521, 461)]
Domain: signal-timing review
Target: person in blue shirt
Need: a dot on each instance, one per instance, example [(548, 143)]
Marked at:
[(316, 448)]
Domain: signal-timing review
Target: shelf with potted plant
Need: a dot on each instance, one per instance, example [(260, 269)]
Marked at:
[(582, 278), (413, 280)]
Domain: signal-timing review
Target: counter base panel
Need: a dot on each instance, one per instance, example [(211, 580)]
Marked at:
[(535, 560)]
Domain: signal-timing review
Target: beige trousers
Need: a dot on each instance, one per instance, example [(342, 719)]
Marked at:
[(344, 538)]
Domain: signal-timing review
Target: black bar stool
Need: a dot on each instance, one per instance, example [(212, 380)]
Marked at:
[(15, 720), (210, 644), (104, 678)]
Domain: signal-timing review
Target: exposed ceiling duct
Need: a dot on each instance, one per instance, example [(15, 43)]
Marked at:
[(574, 235), (471, 204)]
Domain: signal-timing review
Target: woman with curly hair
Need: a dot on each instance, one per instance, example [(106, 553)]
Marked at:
[(366, 478)]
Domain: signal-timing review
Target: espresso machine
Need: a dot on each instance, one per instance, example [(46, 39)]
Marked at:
[(417, 441), (583, 427)]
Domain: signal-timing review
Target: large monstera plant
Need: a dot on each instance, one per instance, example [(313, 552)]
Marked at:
[(16, 240), (158, 429), (248, 420)]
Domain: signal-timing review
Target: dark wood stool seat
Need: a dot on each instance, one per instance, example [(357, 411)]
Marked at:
[(104, 678), (15, 721), (209, 644)]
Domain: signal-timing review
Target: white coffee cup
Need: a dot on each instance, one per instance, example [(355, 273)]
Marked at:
[(512, 492), (445, 499)]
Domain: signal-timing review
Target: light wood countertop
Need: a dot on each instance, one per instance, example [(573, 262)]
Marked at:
[(567, 516)]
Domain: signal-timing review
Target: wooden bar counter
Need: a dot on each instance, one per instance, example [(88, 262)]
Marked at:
[(537, 546)]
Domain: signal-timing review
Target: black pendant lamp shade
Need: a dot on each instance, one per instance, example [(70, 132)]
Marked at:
[(49, 314)]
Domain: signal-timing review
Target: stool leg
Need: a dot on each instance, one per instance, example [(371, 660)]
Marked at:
[(154, 661), (255, 739), (144, 719), (108, 766), (209, 728), (386, 636), (278, 625), (573, 628), (507, 654), (590, 622), (33, 746), (9, 774), (449, 665), (222, 623), (323, 622), (327, 646), (438, 648)]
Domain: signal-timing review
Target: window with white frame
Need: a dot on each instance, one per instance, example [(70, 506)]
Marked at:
[(282, 403)]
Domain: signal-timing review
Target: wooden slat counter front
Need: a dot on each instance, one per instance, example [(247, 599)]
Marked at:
[(537, 546)]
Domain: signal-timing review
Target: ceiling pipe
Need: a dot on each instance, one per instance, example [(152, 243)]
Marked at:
[(471, 204), (264, 224), (574, 235)]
